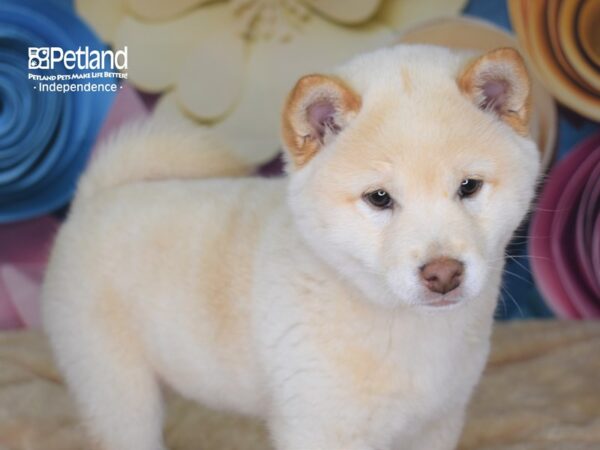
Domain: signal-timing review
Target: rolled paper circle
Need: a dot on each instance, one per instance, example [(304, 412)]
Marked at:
[(550, 29), (592, 230), (596, 248), (45, 137), (560, 264), (529, 22), (567, 34), (588, 30), (587, 212), (563, 239)]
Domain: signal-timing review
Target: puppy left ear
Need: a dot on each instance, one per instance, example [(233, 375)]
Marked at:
[(317, 110), (498, 82)]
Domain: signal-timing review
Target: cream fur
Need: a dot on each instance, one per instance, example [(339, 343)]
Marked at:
[(292, 299)]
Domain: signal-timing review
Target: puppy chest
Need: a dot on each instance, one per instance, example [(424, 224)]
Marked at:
[(409, 372)]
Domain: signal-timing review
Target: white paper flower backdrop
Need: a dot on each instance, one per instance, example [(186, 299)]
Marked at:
[(229, 63)]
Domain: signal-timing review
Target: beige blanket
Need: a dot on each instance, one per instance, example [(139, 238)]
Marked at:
[(541, 391)]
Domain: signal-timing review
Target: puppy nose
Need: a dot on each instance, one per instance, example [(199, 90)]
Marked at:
[(442, 275)]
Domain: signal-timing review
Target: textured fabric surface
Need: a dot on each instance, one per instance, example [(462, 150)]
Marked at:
[(541, 390)]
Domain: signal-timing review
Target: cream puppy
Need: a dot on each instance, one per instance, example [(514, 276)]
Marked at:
[(350, 304)]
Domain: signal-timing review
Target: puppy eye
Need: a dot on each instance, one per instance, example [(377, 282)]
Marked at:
[(469, 187), (379, 199)]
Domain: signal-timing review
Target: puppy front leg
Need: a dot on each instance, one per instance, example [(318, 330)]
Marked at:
[(117, 394), (297, 430), (313, 439), (441, 434)]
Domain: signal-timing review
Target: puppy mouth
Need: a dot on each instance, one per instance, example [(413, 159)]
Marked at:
[(444, 301), (440, 303)]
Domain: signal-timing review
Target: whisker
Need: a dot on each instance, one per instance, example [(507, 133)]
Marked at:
[(550, 210), (520, 264), (504, 290), (543, 258), (520, 277), (504, 308)]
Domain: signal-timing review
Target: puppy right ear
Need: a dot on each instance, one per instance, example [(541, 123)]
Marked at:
[(318, 108), (498, 82)]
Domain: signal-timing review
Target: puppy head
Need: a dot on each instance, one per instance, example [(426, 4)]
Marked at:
[(410, 169)]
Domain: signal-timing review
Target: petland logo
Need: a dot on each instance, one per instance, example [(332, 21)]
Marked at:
[(82, 59), (85, 64)]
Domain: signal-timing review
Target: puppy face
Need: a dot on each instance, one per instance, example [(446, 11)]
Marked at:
[(411, 169)]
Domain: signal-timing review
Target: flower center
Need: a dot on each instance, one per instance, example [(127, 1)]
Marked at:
[(269, 19)]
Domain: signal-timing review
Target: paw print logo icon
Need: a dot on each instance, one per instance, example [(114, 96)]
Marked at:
[(39, 57)]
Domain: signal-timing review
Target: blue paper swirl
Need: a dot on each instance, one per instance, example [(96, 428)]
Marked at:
[(45, 137)]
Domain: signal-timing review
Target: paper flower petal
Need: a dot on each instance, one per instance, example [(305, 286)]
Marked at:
[(23, 283), (254, 125), (210, 81), (25, 248), (162, 9), (169, 111), (346, 11), (158, 51), (9, 315), (103, 16), (128, 106), (398, 13)]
